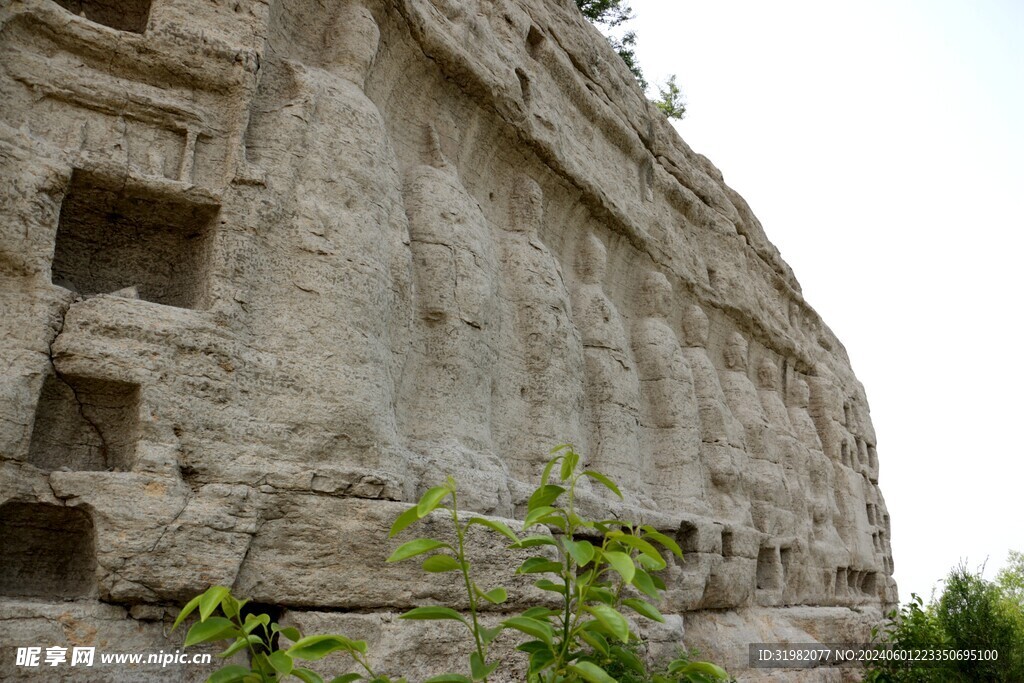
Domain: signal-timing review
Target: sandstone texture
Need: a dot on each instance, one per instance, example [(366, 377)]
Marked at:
[(271, 268)]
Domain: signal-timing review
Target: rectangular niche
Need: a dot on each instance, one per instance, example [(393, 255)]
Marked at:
[(122, 15), (85, 424), (113, 235), (49, 551), (769, 569)]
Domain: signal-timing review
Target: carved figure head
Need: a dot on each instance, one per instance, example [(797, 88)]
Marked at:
[(736, 352), (695, 326), (656, 295), (527, 210), (768, 374), (799, 392), (591, 260)]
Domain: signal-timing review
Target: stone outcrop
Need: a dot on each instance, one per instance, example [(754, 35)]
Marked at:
[(271, 268)]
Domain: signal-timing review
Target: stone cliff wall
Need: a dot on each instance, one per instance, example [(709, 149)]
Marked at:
[(270, 268)]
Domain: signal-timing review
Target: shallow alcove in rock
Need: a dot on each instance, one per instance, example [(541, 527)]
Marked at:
[(123, 15), (115, 234), (49, 551), (85, 423)]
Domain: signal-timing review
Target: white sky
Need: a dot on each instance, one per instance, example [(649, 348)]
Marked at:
[(880, 143)]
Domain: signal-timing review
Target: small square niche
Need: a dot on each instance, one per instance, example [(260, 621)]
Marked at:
[(114, 235), (122, 15), (85, 424), (49, 551)]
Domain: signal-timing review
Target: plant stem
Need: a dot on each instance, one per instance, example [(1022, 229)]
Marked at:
[(460, 535)]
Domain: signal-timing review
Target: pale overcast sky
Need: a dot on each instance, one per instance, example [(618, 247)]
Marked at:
[(880, 143)]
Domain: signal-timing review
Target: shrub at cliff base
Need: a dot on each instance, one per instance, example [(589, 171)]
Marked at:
[(971, 615)]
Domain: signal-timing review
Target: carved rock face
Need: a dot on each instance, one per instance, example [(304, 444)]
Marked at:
[(249, 314)]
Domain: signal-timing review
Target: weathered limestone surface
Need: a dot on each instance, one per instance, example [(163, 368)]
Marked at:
[(271, 268)]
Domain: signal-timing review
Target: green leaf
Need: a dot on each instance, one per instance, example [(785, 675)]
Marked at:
[(436, 613), (645, 608), (613, 622), (608, 483), (209, 600), (406, 519), (591, 672), (414, 548), (664, 540), (230, 606), (569, 462), (479, 668), (644, 547), (684, 668), (534, 516), (289, 632), (596, 641), (582, 552), (436, 564), (544, 496), (645, 584), (232, 673), (449, 678), (629, 659), (254, 620), (495, 525), (541, 612), (622, 563), (312, 648), (600, 594), (545, 515), (531, 627), (239, 644), (281, 661), (549, 585), (344, 678), (533, 541), (189, 607), (431, 499), (536, 565), (214, 628), (546, 474), (495, 596), (489, 634), (533, 646)]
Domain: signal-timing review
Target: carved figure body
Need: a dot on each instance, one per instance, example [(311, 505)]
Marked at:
[(722, 440), (345, 242), (766, 477), (669, 419), (545, 394), (613, 390), (447, 397)]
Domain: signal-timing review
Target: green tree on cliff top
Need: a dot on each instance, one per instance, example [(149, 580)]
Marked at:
[(612, 13)]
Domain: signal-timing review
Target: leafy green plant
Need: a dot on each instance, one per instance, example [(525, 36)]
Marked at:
[(682, 669), (670, 100), (446, 557), (972, 614), (256, 633), (1011, 578), (593, 579)]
